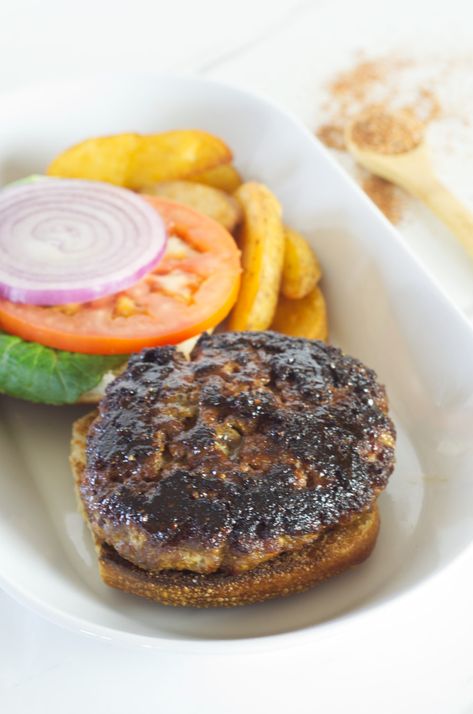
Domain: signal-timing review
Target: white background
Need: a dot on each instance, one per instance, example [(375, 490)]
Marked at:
[(286, 49)]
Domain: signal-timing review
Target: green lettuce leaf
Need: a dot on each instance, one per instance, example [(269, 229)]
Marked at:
[(40, 374)]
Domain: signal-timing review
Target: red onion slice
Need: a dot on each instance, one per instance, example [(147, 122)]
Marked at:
[(67, 240)]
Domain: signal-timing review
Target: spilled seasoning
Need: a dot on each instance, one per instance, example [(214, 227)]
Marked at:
[(385, 195), (372, 88), (384, 132)]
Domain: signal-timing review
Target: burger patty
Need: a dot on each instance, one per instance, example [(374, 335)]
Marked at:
[(253, 447)]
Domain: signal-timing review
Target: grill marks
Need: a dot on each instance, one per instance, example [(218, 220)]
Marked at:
[(253, 447)]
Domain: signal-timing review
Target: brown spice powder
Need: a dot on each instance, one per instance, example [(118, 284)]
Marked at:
[(427, 106), (385, 195), (332, 136), (377, 130), (356, 83), (371, 83)]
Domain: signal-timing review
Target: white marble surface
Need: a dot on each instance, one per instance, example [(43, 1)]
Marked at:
[(286, 49)]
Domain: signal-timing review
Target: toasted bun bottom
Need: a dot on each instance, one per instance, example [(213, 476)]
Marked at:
[(289, 573), (334, 552)]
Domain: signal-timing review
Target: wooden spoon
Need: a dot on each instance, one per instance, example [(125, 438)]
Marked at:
[(412, 171)]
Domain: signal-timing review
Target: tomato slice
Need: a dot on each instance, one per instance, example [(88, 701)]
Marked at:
[(191, 289)]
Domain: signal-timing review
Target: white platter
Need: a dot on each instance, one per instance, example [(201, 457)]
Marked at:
[(383, 308)]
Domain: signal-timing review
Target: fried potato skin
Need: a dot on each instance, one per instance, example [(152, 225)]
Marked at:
[(175, 155), (224, 177), (207, 200), (301, 270), (134, 160), (106, 158), (306, 317), (262, 246)]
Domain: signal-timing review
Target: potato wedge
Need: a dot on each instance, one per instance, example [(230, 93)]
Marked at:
[(301, 270), (207, 200), (175, 155), (135, 160), (306, 317), (224, 177), (262, 246), (104, 159)]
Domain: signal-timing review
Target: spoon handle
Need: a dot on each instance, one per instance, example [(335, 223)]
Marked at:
[(450, 210)]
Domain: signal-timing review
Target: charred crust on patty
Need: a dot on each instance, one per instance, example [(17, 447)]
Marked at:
[(255, 446)]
